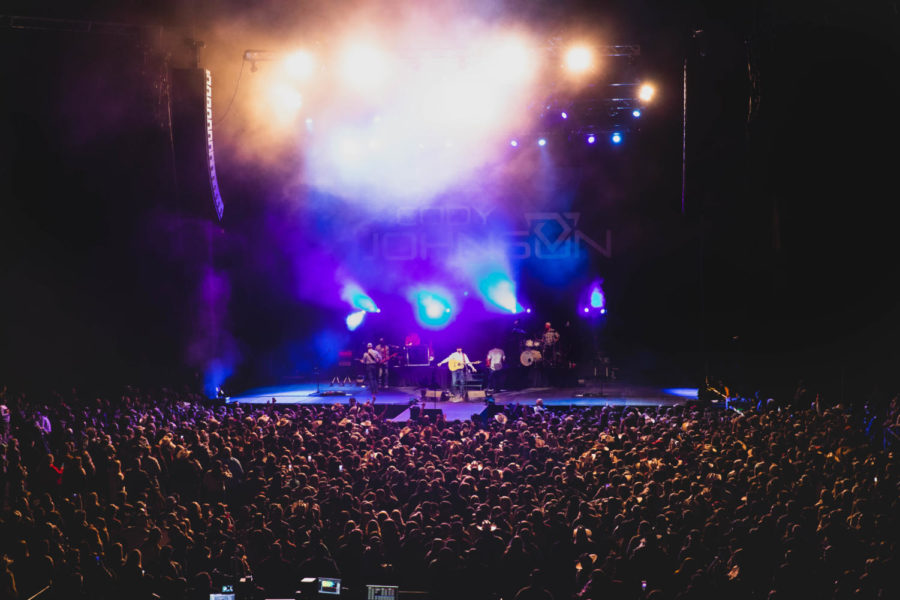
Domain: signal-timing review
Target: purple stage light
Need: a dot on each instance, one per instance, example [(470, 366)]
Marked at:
[(586, 309), (591, 139), (542, 142), (514, 143), (636, 113), (528, 310), (564, 115)]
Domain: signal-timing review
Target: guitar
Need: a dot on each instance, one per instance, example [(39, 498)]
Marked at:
[(456, 365), (387, 358)]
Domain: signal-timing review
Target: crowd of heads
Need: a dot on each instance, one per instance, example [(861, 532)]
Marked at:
[(163, 493)]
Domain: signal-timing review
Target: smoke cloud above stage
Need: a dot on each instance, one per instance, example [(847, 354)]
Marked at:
[(384, 107)]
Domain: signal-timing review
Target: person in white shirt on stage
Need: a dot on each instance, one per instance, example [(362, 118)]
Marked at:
[(370, 359), (459, 363), (496, 358)]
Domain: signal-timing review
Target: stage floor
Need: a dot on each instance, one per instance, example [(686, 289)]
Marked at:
[(613, 393)]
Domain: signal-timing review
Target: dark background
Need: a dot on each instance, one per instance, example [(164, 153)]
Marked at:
[(782, 266)]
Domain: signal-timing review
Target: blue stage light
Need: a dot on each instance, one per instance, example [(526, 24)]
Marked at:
[(528, 310), (217, 371), (514, 143), (636, 113), (542, 142), (616, 138), (433, 309), (363, 302), (591, 139), (682, 392), (602, 311), (355, 319), (598, 300), (586, 309), (499, 291), (357, 298)]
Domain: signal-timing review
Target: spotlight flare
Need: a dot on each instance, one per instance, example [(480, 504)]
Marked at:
[(646, 92), (299, 65), (579, 59)]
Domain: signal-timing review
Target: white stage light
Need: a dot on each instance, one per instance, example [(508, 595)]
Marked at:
[(511, 61), (285, 100), (363, 67), (579, 59), (299, 65)]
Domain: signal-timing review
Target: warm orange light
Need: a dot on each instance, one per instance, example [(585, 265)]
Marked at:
[(646, 92), (579, 59)]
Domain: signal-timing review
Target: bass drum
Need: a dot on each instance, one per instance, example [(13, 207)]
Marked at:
[(529, 357)]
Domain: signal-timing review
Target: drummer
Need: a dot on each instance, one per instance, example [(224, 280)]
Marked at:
[(550, 335), (548, 344)]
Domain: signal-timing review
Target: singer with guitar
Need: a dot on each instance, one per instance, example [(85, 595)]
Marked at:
[(459, 363)]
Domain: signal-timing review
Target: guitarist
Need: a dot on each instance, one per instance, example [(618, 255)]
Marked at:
[(370, 359), (459, 363), (382, 367)]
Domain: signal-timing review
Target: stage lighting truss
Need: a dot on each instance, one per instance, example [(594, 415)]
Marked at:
[(607, 101), (257, 56), (597, 116), (560, 45)]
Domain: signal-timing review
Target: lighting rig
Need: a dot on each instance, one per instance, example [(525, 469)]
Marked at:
[(594, 93)]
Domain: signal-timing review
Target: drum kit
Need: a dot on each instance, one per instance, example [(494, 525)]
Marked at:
[(531, 354)]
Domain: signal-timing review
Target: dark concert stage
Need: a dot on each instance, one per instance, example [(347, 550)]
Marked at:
[(613, 393)]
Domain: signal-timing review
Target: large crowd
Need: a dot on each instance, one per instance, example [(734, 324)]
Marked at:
[(166, 494)]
